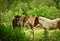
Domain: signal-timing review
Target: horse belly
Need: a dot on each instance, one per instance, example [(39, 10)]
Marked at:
[(49, 25), (52, 26)]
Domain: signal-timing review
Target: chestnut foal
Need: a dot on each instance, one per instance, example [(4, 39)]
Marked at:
[(32, 21)]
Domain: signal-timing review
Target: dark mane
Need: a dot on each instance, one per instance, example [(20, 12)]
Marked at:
[(25, 18), (36, 21)]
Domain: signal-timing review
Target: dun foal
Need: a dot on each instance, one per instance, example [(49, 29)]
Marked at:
[(48, 24), (32, 21), (17, 22)]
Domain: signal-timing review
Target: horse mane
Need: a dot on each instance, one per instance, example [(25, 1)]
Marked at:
[(25, 18), (36, 21)]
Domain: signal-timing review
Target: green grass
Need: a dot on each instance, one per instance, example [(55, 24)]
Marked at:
[(39, 35), (9, 34)]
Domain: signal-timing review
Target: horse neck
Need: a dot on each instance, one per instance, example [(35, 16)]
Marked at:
[(31, 20), (41, 22)]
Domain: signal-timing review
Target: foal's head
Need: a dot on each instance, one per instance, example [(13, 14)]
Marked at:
[(17, 17), (16, 21)]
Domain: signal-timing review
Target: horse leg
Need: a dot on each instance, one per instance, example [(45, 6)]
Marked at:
[(47, 35), (32, 33), (21, 25)]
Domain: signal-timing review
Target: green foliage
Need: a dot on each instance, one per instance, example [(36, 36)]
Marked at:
[(45, 11), (57, 2), (36, 8), (38, 12), (38, 3), (39, 35), (53, 13), (9, 34)]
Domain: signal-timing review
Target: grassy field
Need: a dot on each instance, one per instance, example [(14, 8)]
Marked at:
[(40, 36), (9, 34)]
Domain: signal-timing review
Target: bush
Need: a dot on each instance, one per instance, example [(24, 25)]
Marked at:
[(44, 11), (9, 34)]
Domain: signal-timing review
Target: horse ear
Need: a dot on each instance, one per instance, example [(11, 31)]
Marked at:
[(17, 16)]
